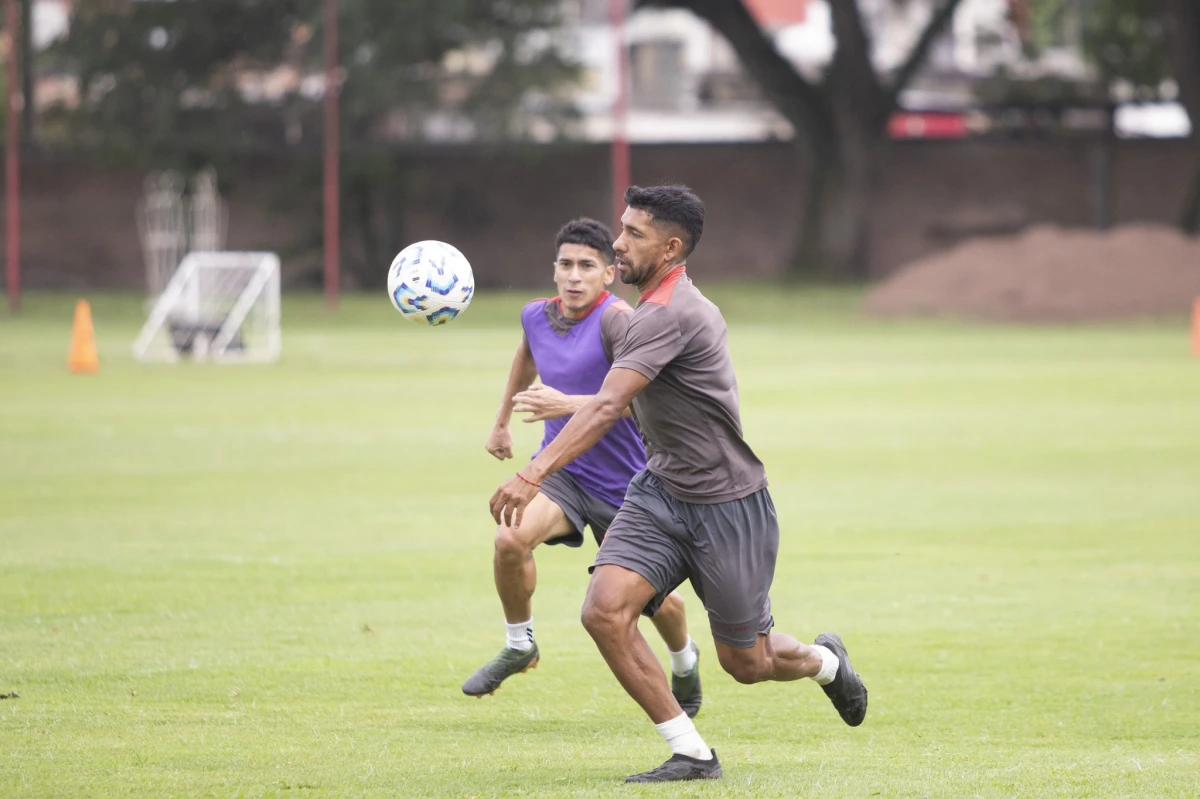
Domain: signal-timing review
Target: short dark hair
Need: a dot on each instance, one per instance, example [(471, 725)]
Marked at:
[(675, 205), (590, 233)]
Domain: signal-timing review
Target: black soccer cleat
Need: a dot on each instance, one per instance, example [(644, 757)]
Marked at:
[(847, 691), (686, 689), (682, 767), (509, 662)]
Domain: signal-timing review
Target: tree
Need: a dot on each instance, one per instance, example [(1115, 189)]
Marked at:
[(840, 122), (161, 82), (26, 69), (505, 78), (1181, 22), (160, 76), (1141, 43), (157, 80)]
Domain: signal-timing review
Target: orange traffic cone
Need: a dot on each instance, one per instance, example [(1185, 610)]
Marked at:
[(82, 358), (1196, 328)]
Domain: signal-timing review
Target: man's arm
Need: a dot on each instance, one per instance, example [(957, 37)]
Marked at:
[(587, 426), (652, 342), (543, 402), (520, 376)]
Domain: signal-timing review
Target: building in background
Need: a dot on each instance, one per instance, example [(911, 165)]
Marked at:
[(51, 19), (686, 84)]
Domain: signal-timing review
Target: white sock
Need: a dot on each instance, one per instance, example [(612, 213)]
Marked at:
[(683, 661), (520, 635), (829, 666), (680, 734)]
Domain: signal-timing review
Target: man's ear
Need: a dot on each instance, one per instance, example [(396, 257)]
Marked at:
[(674, 249)]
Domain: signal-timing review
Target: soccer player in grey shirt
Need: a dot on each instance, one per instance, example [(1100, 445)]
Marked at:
[(700, 511)]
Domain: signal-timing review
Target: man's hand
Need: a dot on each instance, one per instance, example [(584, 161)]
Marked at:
[(595, 417), (543, 402), (510, 500), (499, 443)]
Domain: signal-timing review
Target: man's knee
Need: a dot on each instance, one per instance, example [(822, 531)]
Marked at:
[(601, 617), (596, 620), (511, 545), (747, 666), (608, 608), (672, 607)]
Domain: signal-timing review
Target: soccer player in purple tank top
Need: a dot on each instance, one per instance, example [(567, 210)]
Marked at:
[(569, 341), (700, 511)]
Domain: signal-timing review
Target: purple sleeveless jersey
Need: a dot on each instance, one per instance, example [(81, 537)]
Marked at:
[(575, 363)]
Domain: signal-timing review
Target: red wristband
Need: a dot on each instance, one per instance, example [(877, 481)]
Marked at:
[(527, 480)]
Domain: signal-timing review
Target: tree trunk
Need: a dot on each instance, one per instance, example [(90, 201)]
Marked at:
[(1189, 222), (1104, 154), (839, 125), (27, 88), (365, 269), (837, 209), (375, 190), (1181, 22)]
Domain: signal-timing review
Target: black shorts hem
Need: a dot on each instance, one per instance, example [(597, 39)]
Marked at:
[(660, 594), (740, 642)]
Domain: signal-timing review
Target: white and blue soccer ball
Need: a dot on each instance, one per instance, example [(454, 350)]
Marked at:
[(430, 282)]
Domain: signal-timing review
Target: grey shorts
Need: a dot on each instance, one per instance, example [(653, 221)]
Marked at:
[(726, 550), (579, 506)]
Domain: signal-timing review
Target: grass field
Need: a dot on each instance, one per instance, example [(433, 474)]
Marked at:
[(271, 581)]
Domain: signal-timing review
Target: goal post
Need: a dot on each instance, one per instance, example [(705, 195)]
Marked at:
[(218, 306)]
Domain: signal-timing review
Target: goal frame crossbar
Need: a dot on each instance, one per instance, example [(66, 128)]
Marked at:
[(266, 279)]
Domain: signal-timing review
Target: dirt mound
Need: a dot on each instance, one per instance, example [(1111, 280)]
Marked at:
[(1049, 274)]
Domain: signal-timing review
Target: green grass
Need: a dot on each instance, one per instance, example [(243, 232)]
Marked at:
[(271, 581)]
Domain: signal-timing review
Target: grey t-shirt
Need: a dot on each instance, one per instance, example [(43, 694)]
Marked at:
[(688, 413)]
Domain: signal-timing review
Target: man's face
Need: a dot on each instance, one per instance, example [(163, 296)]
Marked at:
[(643, 246), (580, 275)]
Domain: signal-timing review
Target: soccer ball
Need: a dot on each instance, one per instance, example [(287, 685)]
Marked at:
[(430, 282)]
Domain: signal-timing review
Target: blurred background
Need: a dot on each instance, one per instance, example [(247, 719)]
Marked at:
[(832, 141), (258, 581)]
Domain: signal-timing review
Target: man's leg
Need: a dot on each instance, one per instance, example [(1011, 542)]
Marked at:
[(777, 656), (670, 619), (641, 558), (781, 658), (513, 566), (671, 622), (516, 578), (746, 532), (614, 600)]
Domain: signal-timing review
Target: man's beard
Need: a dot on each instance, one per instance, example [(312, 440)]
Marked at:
[(632, 275)]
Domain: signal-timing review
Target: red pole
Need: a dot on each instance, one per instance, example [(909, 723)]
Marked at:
[(12, 159), (620, 138), (332, 214)]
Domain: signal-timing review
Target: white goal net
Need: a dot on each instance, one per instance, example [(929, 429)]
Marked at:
[(219, 306)]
